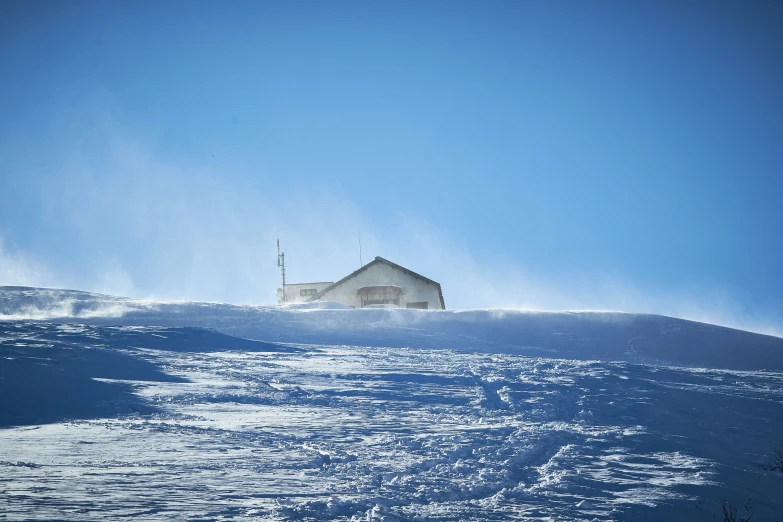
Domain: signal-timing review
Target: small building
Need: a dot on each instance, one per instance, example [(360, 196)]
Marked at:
[(378, 284), (300, 292)]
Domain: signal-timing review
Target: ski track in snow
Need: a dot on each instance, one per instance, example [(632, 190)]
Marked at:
[(363, 433)]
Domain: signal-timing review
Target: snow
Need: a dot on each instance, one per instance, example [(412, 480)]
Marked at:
[(609, 336), (316, 305), (435, 416)]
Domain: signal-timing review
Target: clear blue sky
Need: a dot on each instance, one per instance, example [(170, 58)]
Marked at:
[(578, 143)]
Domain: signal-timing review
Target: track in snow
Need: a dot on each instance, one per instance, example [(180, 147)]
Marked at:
[(254, 431)]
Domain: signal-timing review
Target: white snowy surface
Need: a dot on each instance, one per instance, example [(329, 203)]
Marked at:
[(435, 416), (607, 336), (342, 432)]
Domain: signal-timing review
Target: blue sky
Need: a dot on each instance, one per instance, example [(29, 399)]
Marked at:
[(613, 155)]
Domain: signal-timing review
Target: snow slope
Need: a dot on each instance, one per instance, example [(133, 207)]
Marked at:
[(375, 415), (582, 335)]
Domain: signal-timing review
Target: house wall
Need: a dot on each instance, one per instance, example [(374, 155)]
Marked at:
[(292, 292), (413, 289)]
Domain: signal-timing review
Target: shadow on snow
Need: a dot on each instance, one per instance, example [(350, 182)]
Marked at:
[(48, 372)]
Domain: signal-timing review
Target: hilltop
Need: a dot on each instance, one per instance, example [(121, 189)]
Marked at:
[(608, 336)]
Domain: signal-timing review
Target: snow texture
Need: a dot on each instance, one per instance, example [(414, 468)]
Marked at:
[(480, 415), (610, 336)]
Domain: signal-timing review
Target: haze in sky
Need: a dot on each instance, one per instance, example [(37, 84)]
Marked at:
[(602, 155)]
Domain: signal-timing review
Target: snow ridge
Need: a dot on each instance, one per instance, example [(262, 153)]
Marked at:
[(608, 336)]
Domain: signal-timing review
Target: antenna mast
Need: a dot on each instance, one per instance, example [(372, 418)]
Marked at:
[(281, 264), (361, 264)]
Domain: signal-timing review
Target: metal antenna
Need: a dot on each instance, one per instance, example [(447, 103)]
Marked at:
[(361, 264), (281, 264)]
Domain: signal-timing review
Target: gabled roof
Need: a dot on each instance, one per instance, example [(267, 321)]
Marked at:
[(376, 261)]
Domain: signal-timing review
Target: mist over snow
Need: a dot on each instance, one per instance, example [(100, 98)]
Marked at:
[(18, 268), (608, 336), (149, 225)]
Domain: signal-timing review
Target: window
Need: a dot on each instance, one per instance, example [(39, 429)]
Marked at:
[(307, 291), (380, 295), (419, 305)]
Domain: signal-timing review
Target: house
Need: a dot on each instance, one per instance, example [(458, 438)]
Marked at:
[(378, 284)]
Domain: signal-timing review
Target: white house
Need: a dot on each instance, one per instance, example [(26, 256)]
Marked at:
[(379, 283)]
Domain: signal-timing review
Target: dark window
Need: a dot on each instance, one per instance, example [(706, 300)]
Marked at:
[(381, 297), (420, 305), (307, 291)]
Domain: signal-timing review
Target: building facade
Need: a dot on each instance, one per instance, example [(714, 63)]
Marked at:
[(300, 292), (378, 284)]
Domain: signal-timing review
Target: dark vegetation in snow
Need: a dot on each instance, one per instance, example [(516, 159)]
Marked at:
[(775, 461)]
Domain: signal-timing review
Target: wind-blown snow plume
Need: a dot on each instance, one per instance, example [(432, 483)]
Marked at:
[(19, 268), (153, 226)]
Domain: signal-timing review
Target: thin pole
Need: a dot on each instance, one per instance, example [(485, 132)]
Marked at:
[(281, 264), (361, 264), (282, 269)]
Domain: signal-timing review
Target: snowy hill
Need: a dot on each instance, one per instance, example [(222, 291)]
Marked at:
[(609, 336), (117, 408)]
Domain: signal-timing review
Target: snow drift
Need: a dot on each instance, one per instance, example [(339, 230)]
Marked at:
[(155, 423), (121, 408), (609, 336)]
